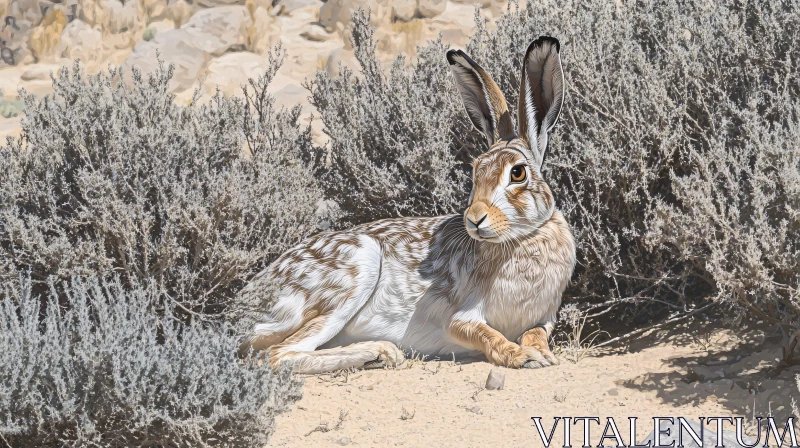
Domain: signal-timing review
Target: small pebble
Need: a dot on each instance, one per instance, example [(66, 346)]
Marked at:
[(495, 380)]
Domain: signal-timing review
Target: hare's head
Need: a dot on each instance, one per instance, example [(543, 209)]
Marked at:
[(509, 198)]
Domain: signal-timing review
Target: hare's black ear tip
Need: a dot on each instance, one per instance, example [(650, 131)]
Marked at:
[(543, 41), (453, 54)]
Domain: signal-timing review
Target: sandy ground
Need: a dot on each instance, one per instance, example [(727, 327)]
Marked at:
[(443, 403)]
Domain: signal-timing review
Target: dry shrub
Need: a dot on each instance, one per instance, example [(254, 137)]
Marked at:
[(676, 160), (134, 223), (391, 148), (108, 372), (115, 180)]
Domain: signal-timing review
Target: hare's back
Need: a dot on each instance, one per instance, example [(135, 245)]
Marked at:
[(332, 266)]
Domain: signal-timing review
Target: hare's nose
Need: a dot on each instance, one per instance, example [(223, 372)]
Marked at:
[(478, 222)]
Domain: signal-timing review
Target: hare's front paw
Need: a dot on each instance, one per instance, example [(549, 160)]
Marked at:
[(386, 355), (536, 358)]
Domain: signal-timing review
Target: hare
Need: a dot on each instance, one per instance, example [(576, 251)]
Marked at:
[(487, 282)]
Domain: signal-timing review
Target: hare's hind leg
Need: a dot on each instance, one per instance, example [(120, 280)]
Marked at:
[(337, 295), (286, 317), (298, 350)]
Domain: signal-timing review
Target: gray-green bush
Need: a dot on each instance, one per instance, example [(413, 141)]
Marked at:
[(10, 108), (676, 160), (135, 222), (392, 149), (108, 372), (111, 179)]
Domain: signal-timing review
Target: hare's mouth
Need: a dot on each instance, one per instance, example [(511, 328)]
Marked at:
[(483, 234), (488, 234), (481, 223)]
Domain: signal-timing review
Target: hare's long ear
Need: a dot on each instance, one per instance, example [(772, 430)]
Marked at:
[(541, 94), (485, 103)]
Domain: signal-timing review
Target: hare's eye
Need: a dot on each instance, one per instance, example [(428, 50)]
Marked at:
[(518, 174)]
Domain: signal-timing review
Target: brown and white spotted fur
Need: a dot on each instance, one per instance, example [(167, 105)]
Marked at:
[(488, 281)]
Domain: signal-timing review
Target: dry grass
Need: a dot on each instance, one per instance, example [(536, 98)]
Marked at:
[(574, 345), (416, 359), (405, 415), (326, 426), (704, 339)]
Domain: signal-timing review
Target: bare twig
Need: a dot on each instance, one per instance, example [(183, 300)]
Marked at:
[(661, 324)]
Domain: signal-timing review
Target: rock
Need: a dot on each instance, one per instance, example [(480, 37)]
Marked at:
[(431, 8), (174, 47), (15, 38), (612, 392), (264, 33), (493, 7), (344, 441), (339, 11), (332, 65), (290, 6), (123, 17), (178, 11), (476, 409), (122, 41), (403, 10), (337, 58), (231, 70), (161, 26), (40, 72), (92, 13), (219, 29), (113, 16), (709, 435), (43, 39), (287, 90), (155, 10), (483, 3), (455, 36), (277, 10), (215, 3), (316, 33), (496, 380), (25, 10), (80, 41)]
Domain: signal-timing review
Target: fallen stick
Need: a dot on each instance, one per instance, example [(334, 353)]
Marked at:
[(643, 330)]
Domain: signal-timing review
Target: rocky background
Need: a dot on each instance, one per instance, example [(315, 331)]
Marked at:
[(212, 43)]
